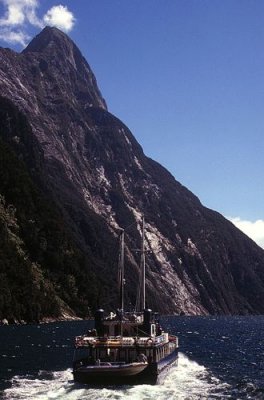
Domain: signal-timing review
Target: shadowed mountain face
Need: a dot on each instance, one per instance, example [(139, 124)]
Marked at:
[(88, 164)]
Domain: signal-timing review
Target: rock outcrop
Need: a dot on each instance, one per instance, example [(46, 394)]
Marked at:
[(89, 165)]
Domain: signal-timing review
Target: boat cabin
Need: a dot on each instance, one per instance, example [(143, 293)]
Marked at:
[(125, 338)]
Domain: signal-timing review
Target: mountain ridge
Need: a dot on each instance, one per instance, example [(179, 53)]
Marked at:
[(88, 163)]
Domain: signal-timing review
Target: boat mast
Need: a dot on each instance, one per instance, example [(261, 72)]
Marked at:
[(121, 270), (143, 266)]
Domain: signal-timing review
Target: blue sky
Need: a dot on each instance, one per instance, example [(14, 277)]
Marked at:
[(186, 76)]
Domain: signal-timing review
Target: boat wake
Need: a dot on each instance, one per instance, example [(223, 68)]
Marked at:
[(187, 381)]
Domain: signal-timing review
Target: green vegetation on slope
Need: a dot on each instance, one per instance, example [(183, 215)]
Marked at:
[(23, 289), (41, 272)]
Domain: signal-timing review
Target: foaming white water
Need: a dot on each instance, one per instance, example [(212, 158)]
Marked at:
[(187, 381)]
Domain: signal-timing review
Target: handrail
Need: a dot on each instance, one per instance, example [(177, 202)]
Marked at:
[(139, 341)]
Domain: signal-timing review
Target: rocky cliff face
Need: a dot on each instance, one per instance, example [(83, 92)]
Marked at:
[(90, 165)]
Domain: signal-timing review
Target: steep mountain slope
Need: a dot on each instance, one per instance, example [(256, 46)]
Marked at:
[(42, 271), (89, 165)]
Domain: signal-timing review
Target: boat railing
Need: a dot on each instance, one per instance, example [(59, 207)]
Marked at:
[(126, 341)]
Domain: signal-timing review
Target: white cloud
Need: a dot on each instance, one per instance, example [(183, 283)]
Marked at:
[(20, 14), (14, 16), (60, 17), (253, 229), (15, 37)]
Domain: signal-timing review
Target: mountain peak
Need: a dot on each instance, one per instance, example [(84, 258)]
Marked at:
[(47, 38), (58, 56)]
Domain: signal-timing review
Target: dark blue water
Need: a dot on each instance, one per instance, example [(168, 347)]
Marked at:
[(232, 348), (220, 358)]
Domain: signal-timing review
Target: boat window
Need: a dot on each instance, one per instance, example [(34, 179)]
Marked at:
[(117, 330), (132, 355), (102, 354), (122, 355), (106, 330), (149, 354), (113, 354), (158, 354)]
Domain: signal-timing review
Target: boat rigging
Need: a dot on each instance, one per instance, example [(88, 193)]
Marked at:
[(125, 347)]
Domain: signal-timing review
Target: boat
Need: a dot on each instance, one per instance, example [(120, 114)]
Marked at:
[(125, 347)]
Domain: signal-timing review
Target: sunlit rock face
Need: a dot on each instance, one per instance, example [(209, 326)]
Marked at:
[(91, 165)]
